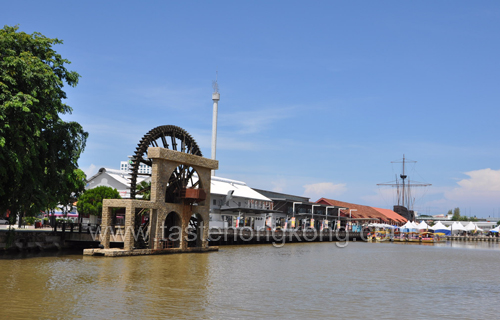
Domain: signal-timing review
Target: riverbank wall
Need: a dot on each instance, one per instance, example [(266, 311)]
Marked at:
[(32, 240), (473, 238), (246, 237)]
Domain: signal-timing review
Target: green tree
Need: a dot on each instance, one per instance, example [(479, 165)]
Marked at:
[(90, 202), (144, 189), (456, 214), (38, 150), (75, 187)]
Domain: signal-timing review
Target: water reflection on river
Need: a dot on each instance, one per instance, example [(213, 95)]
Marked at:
[(308, 280)]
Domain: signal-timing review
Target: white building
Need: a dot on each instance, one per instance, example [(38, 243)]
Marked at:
[(116, 179), (234, 204), (125, 166)]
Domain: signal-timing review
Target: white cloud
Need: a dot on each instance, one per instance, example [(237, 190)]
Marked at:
[(172, 96), (90, 170), (383, 197), (324, 189), (225, 141), (279, 185), (254, 121), (482, 185)]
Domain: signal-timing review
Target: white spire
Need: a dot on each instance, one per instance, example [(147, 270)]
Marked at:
[(215, 99)]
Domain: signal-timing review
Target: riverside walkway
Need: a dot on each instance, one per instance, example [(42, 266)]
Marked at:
[(473, 238), (87, 236)]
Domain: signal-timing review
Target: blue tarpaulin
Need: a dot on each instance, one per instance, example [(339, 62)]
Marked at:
[(445, 231)]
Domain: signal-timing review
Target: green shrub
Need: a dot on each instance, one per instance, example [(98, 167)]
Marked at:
[(29, 220)]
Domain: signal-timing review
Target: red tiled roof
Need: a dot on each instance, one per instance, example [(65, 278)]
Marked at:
[(391, 214), (384, 215)]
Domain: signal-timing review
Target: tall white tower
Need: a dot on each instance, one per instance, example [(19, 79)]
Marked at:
[(215, 99)]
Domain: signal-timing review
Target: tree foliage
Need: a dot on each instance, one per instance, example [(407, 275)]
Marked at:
[(456, 214), (38, 150), (90, 202), (144, 189), (76, 187), (457, 217)]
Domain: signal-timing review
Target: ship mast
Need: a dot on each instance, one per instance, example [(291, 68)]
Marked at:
[(403, 177), (403, 187)]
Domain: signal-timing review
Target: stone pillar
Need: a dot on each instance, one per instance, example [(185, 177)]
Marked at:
[(204, 243), (185, 217), (153, 233), (128, 241), (106, 227)]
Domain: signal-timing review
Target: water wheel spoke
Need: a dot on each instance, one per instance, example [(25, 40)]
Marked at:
[(164, 141), (196, 183), (152, 138), (147, 162), (174, 143)]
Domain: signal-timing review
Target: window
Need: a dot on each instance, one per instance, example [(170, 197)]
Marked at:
[(214, 202)]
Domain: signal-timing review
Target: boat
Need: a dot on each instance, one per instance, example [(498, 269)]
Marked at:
[(439, 237), (378, 235), (405, 199), (427, 237), (400, 237), (430, 237), (413, 237)]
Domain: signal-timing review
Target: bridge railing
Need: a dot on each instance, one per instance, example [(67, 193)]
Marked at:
[(76, 227)]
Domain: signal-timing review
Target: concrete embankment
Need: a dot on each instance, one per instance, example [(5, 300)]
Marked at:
[(33, 240), (28, 240), (473, 238), (20, 240), (243, 237)]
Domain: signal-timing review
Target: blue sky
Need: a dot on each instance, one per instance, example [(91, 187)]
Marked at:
[(317, 97)]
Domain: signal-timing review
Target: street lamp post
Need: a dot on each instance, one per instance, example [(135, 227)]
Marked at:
[(293, 213), (312, 214), (338, 216), (326, 212), (350, 211), (315, 205), (293, 206), (350, 216)]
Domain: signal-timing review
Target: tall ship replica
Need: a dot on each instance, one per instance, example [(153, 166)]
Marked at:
[(403, 185)]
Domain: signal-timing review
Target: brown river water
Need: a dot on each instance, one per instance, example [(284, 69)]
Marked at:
[(297, 281)]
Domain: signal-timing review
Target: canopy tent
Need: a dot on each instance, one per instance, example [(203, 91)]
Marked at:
[(457, 226), (472, 227), (497, 229), (439, 227), (381, 225), (409, 226), (422, 225)]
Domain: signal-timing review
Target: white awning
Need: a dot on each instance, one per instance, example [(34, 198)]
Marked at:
[(222, 186), (439, 226), (457, 226), (422, 225)]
